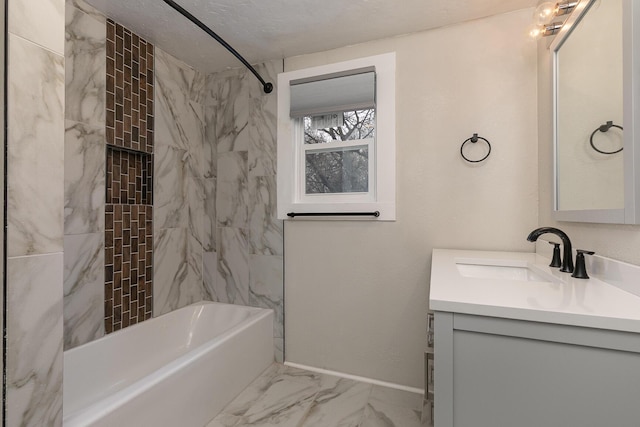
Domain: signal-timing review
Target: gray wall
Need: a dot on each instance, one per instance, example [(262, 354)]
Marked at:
[(357, 291)]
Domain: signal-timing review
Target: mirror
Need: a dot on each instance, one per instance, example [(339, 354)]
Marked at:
[(593, 114)]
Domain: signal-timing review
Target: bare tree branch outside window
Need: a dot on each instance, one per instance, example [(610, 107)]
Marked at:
[(339, 170)]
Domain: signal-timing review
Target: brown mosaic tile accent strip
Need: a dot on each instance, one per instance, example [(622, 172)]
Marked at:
[(129, 99), (129, 211), (129, 260), (129, 177)]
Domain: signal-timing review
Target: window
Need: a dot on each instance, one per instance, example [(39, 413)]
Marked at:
[(336, 138)]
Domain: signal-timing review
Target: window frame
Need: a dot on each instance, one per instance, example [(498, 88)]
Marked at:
[(291, 164), (301, 174)]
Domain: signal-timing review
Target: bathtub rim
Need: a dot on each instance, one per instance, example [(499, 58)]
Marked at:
[(163, 316), (100, 408)]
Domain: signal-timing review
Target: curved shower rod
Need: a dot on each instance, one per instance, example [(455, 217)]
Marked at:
[(266, 86)]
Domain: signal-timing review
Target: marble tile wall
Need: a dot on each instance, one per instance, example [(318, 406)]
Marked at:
[(241, 119), (184, 187), (84, 173), (216, 236), (35, 184)]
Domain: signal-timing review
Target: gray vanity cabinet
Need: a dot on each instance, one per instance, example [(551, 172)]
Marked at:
[(492, 372)]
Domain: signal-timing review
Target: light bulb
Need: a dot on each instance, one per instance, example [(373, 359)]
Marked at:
[(545, 12), (535, 31)]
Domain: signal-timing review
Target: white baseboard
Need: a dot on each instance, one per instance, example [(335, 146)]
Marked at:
[(356, 378)]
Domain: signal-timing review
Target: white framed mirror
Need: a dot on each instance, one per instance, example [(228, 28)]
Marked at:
[(596, 67)]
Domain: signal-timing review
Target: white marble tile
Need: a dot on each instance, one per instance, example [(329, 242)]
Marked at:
[(85, 7), (284, 404), (194, 127), (210, 148), (263, 123), (209, 219), (174, 79), (241, 404), (85, 67), (196, 273), (170, 188), (232, 166), (198, 88), (378, 414), (224, 420), (286, 396), (232, 193), (339, 403), (196, 198), (232, 114), (266, 287), (232, 280), (84, 178), (278, 351), (34, 340), (179, 120), (40, 21), (246, 402), (266, 235), (35, 148), (83, 288), (391, 396), (232, 199), (281, 396), (209, 273), (177, 273)]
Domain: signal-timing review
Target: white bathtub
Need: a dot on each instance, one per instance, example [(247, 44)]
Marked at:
[(179, 369)]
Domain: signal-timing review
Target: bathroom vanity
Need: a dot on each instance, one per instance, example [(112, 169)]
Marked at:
[(518, 343)]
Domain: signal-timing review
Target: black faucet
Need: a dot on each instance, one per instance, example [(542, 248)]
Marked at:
[(567, 256)]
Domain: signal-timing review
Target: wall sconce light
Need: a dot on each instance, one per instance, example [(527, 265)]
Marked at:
[(544, 14)]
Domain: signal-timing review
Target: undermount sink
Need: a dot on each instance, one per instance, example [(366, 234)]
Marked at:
[(500, 272)]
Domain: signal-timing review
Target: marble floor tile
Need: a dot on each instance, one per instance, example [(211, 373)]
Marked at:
[(396, 397), (289, 397), (379, 414), (281, 396), (285, 403), (339, 404)]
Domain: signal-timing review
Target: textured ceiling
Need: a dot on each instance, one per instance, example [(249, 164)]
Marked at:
[(270, 29)]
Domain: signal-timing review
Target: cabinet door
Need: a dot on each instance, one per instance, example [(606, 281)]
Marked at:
[(501, 381)]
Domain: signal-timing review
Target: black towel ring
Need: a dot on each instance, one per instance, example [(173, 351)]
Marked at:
[(473, 140), (604, 128)]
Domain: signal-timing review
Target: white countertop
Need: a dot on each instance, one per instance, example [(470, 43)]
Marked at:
[(589, 303)]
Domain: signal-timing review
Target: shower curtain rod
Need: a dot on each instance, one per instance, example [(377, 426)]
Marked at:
[(266, 86)]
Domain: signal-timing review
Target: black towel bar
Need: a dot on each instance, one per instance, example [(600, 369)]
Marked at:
[(295, 214)]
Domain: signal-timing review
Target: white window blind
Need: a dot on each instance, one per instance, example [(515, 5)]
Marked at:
[(333, 93)]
